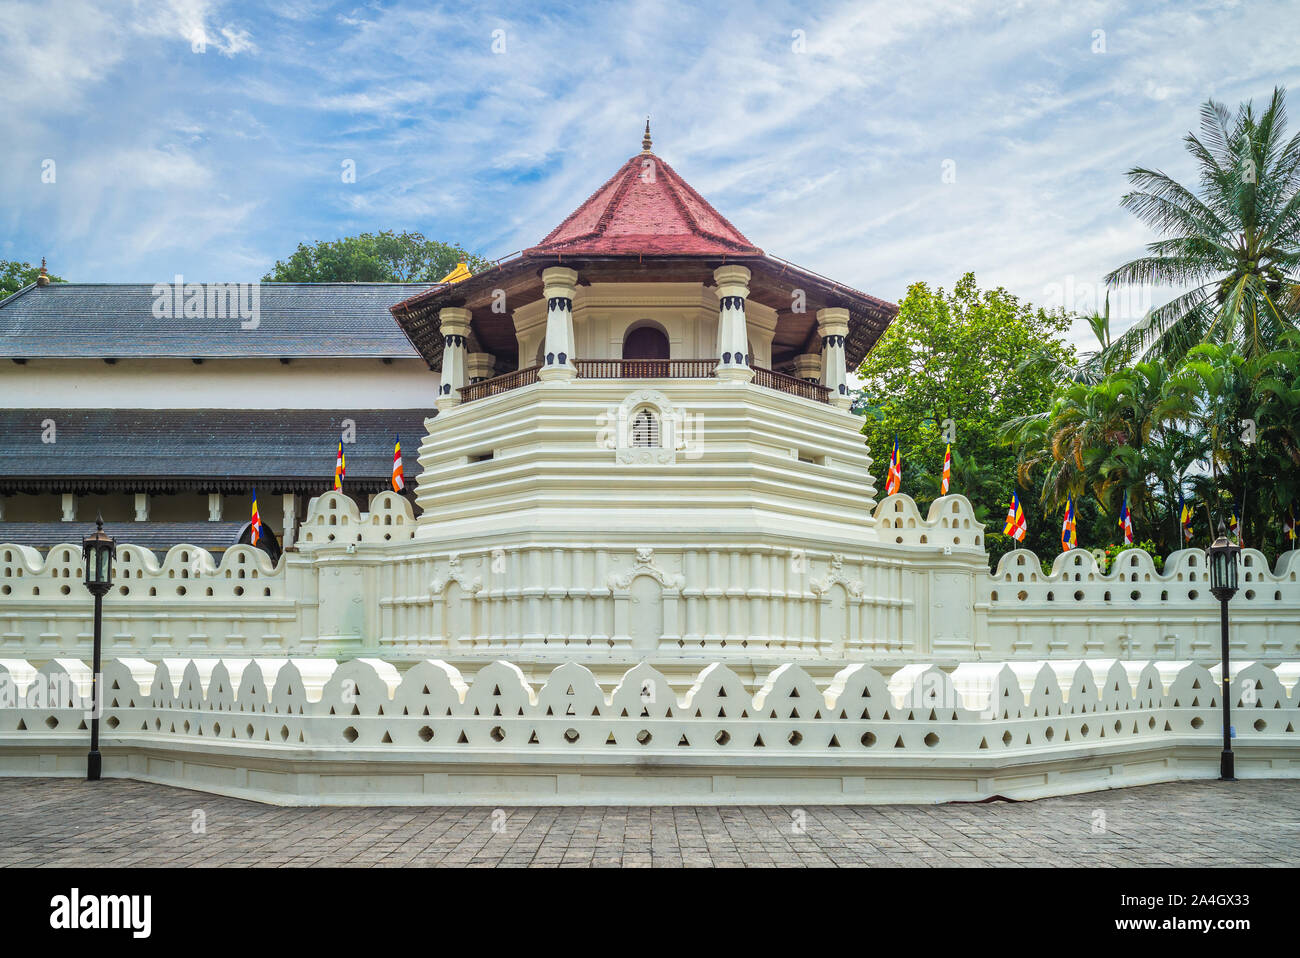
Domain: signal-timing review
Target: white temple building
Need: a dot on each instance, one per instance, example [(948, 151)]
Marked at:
[(645, 521)]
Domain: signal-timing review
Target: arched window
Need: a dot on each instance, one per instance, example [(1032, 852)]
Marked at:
[(647, 346), (645, 429)]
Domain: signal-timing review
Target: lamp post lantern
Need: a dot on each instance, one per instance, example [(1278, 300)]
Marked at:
[(97, 552), (1223, 585)]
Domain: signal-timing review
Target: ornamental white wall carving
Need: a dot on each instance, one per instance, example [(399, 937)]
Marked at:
[(316, 731), (366, 584)]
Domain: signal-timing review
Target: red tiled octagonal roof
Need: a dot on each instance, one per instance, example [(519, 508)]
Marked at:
[(646, 208)]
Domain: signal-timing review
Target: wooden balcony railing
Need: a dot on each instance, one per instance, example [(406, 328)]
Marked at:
[(789, 384), (646, 369), (499, 384)]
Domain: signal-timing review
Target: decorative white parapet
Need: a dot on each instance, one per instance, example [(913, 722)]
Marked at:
[(911, 588), (1135, 612), (314, 731)]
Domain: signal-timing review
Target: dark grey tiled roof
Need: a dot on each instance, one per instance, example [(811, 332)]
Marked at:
[(117, 321), (155, 536), (206, 443)]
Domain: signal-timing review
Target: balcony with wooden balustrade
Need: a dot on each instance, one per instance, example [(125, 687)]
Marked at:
[(639, 369)]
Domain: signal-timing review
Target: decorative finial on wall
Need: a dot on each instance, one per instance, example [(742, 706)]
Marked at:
[(645, 140)]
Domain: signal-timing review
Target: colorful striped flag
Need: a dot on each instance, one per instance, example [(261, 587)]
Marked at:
[(1185, 518), (256, 528), (947, 470), (1290, 526), (1016, 526), (1234, 521), (340, 467), (1069, 535), (399, 476), (1126, 521), (894, 481)]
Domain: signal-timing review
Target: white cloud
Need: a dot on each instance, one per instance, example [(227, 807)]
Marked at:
[(830, 157)]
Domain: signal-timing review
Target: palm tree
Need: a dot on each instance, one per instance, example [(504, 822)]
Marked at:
[(1093, 366), (1212, 394), (1235, 241)]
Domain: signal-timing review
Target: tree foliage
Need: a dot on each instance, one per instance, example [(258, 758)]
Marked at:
[(949, 365), (1235, 241), (15, 275), (384, 257)]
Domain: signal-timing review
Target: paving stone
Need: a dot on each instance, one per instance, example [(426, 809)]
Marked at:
[(69, 823)]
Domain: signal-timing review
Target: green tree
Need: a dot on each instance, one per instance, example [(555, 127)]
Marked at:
[(948, 365), (1236, 241), (384, 257), (1277, 415), (15, 275)]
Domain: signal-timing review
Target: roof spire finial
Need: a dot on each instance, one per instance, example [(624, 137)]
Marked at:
[(645, 140), (43, 278)]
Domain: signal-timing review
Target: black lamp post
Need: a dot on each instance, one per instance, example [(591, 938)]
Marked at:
[(97, 551), (1223, 584)]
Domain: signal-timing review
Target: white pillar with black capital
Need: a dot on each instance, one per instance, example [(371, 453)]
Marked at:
[(833, 326), (558, 286), (734, 360), (455, 335)]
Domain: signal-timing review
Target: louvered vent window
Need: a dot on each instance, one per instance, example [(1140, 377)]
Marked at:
[(645, 429)]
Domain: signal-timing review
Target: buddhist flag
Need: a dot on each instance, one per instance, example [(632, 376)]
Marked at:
[(1069, 535), (256, 528), (1291, 534), (399, 477), (1016, 526), (947, 470), (894, 481), (340, 467), (1185, 518), (1234, 522), (1126, 521)]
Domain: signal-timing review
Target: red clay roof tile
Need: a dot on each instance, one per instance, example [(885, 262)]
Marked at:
[(646, 208)]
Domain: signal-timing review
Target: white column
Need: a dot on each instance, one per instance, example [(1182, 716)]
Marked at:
[(455, 332), (214, 507), (480, 366), (808, 367), (833, 326), (733, 334), (142, 507), (69, 507), (558, 286), (290, 520)]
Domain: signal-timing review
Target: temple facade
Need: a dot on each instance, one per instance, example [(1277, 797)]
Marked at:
[(639, 512)]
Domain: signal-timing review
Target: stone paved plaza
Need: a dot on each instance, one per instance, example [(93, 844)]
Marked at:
[(53, 822)]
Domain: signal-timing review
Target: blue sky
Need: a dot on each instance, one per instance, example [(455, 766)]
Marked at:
[(208, 138)]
